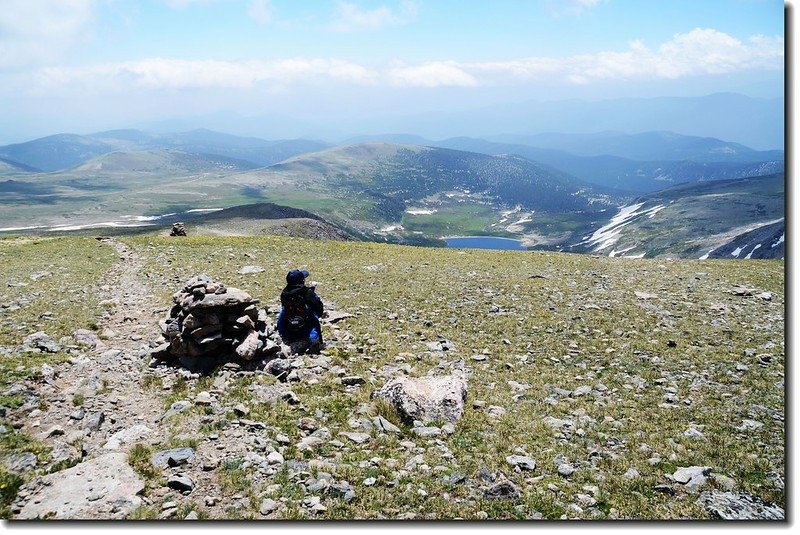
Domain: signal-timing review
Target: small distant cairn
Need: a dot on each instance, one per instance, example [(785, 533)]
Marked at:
[(212, 324), (177, 230)]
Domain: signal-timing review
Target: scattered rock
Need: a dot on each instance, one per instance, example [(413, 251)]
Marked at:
[(203, 398), (739, 506), (173, 457), (268, 506), (353, 381), (426, 398), (104, 487), (247, 270), (180, 482), (495, 411), (566, 469), (523, 462), (40, 341), (19, 463), (503, 489), (358, 438), (131, 434), (176, 408), (385, 425), (87, 338), (335, 316)]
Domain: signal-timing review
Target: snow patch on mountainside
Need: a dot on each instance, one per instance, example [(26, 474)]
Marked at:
[(609, 234)]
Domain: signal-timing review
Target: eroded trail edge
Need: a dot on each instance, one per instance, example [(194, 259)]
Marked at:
[(94, 407)]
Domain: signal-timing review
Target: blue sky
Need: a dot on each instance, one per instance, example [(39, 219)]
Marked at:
[(79, 65)]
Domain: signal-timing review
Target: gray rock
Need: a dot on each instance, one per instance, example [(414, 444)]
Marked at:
[(87, 338), (426, 431), (566, 469), (62, 451), (130, 434), (105, 487), (41, 341), (343, 490), (268, 506), (231, 298), (93, 421), (632, 473), (694, 433), (308, 443), (173, 457), (191, 516), (456, 478), (358, 438), (503, 489), (385, 425), (426, 398), (204, 398), (180, 482), (524, 462), (495, 411), (19, 463), (353, 381), (739, 506), (280, 368), (247, 270), (685, 474), (176, 408), (582, 391), (725, 482)]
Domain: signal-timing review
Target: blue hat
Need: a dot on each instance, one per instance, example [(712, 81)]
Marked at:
[(296, 276)]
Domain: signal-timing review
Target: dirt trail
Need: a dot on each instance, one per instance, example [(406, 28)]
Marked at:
[(100, 392)]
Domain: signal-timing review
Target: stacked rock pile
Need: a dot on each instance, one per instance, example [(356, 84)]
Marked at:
[(212, 324), (178, 230)]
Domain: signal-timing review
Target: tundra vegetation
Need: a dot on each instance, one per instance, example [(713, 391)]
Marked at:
[(610, 374)]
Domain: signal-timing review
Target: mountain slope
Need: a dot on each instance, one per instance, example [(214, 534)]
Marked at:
[(688, 220), (52, 153), (161, 161), (646, 146), (64, 151), (618, 172), (12, 167)]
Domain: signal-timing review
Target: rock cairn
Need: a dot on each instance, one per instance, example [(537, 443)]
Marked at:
[(212, 324), (178, 230)]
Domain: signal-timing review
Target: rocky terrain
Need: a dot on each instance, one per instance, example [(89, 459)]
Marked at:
[(575, 388)]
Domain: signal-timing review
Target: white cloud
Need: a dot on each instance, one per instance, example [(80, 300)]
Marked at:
[(698, 52), (36, 32), (161, 73), (260, 11), (433, 74), (349, 17)]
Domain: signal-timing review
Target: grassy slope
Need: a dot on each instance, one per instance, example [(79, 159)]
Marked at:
[(45, 285), (579, 325)]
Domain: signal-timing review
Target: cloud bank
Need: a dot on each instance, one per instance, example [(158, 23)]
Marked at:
[(698, 52)]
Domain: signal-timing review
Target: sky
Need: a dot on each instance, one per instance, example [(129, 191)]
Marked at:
[(87, 65)]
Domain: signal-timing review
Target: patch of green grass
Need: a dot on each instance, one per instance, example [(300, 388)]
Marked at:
[(140, 459), (9, 487)]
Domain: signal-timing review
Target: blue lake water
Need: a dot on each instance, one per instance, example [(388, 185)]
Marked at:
[(484, 242)]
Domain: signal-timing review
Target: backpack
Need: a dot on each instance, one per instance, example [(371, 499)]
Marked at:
[(295, 314)]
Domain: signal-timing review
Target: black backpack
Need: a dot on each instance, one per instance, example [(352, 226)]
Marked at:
[(295, 314)]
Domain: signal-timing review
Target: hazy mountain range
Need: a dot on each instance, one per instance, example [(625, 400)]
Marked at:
[(754, 122), (655, 193)]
